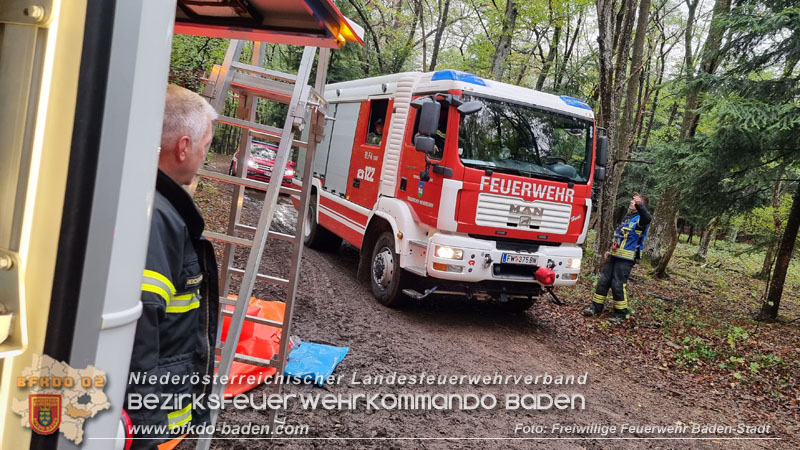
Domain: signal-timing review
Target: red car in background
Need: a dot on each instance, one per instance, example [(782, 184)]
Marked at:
[(261, 163)]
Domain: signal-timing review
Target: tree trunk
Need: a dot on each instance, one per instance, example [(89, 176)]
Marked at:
[(551, 55), (769, 310), (503, 47), (605, 41), (559, 75), (691, 234), (424, 38), (665, 228), (626, 132), (733, 234), (437, 40), (769, 258), (622, 135), (705, 240)]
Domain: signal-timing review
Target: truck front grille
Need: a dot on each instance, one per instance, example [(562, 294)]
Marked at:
[(514, 213)]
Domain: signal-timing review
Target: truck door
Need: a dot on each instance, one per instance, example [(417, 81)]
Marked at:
[(424, 196), (368, 149)]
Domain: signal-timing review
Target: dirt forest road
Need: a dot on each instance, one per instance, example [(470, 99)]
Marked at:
[(454, 336)]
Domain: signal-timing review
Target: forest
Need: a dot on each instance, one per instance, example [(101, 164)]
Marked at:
[(701, 100)]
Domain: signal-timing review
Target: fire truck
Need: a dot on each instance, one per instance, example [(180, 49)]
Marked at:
[(449, 183)]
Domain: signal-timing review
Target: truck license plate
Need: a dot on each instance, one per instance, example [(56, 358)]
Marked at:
[(519, 259)]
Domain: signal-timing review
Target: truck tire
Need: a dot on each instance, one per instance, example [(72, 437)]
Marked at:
[(385, 274), (315, 235)]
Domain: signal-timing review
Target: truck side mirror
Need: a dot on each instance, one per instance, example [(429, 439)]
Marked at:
[(429, 118), (470, 108), (424, 143), (602, 151), (600, 173)]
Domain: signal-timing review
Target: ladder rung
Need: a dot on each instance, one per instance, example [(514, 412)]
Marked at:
[(227, 301), (276, 137), (289, 191), (266, 132), (246, 182), (265, 278), (289, 78), (227, 238), (246, 359), (253, 361), (256, 319), (281, 236), (277, 91), (272, 234)]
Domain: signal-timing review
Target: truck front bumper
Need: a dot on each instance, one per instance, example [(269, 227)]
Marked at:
[(482, 261)]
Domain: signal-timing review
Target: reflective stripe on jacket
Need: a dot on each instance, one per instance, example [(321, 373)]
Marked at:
[(176, 334)]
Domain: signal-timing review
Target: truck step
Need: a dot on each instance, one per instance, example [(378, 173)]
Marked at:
[(417, 295), (417, 270)]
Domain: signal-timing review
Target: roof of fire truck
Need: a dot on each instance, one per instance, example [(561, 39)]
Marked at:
[(444, 80)]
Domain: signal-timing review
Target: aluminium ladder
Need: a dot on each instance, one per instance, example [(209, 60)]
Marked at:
[(252, 81)]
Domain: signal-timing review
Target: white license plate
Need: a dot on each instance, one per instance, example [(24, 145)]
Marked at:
[(520, 259)]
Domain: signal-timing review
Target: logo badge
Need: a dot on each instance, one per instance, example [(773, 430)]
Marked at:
[(420, 189), (45, 412)]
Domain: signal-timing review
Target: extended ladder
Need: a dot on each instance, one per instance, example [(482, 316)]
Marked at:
[(252, 81)]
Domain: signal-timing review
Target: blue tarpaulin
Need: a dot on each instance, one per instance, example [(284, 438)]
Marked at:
[(314, 361)]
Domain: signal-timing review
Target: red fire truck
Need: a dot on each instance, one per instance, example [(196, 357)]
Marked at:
[(474, 187)]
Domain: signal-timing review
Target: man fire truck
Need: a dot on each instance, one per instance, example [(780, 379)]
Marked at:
[(476, 188)]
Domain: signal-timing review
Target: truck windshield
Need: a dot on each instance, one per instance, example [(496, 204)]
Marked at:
[(512, 138)]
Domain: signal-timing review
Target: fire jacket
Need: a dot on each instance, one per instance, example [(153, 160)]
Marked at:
[(630, 234), (176, 333)]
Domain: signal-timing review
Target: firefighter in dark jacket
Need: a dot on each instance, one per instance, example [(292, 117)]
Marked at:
[(628, 240), (176, 333)]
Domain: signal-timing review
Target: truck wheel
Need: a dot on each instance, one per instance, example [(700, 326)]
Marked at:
[(386, 275), (315, 235)]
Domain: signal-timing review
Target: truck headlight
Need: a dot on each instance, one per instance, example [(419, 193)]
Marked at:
[(449, 252), (288, 173), (251, 163), (574, 263)]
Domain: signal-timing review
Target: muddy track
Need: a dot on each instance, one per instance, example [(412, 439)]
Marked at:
[(444, 336)]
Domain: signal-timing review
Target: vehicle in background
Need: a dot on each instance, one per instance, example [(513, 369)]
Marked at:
[(475, 187), (261, 163)]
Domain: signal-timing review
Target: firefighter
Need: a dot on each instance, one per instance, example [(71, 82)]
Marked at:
[(176, 332), (375, 137), (628, 239)]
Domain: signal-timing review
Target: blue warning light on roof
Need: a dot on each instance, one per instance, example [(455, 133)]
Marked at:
[(456, 75), (578, 103)]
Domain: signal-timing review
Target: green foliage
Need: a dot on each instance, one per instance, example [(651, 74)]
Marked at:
[(736, 334), (695, 350), (759, 221), (192, 57)]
